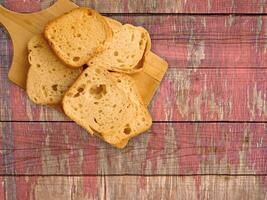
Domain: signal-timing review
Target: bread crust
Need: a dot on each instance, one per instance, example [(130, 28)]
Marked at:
[(95, 50)]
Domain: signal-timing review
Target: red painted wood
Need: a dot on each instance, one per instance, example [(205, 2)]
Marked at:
[(205, 41), (184, 95), (23, 6), (153, 6), (184, 148), (136, 187), (193, 42), (181, 6)]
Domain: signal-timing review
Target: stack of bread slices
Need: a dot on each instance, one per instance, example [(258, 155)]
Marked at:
[(84, 61)]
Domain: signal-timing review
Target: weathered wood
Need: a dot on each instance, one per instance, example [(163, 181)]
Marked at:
[(181, 149), (184, 95), (187, 42), (152, 6), (205, 41), (136, 187)]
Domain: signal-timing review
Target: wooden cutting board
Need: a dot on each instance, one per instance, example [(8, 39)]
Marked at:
[(22, 27)]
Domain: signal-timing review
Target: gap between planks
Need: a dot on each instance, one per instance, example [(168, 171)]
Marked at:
[(131, 175), (154, 122)]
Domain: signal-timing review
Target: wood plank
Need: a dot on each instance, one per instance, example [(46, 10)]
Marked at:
[(222, 42), (153, 6), (143, 188), (204, 41), (184, 95), (173, 149)]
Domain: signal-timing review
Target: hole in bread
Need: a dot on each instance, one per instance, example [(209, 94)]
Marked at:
[(132, 38), (44, 90), (72, 27), (77, 95), (122, 66), (54, 87), (38, 65), (85, 66), (76, 59), (98, 91), (68, 54), (143, 119), (80, 105), (127, 130), (69, 94), (52, 37), (141, 44), (143, 35), (98, 71), (89, 12), (133, 56), (95, 120), (120, 111), (53, 69), (96, 103), (79, 48), (81, 89), (54, 30), (100, 111), (65, 76), (114, 106), (37, 46), (79, 35), (111, 127), (85, 74), (119, 80), (51, 99), (35, 99), (116, 53), (119, 61)]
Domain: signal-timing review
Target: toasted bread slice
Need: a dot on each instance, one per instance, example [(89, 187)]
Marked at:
[(125, 52), (102, 103), (78, 36), (48, 78)]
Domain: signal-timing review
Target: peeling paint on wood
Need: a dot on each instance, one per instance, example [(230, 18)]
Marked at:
[(168, 148), (218, 72), (180, 188)]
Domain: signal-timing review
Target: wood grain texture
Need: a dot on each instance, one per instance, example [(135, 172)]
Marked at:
[(136, 187), (184, 95), (205, 41), (152, 6), (221, 42), (173, 149), (194, 45)]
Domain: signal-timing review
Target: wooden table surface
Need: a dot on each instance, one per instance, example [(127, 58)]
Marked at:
[(209, 136)]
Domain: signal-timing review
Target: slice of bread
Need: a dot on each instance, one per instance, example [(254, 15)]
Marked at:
[(108, 105), (78, 36), (125, 52), (142, 121), (48, 78), (113, 24)]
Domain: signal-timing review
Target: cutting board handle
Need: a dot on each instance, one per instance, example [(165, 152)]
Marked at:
[(22, 27)]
